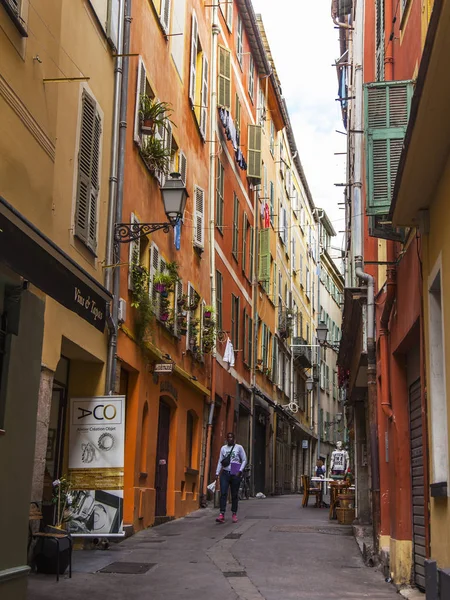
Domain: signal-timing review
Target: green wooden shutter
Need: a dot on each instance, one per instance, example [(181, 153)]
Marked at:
[(387, 107), (244, 244), (264, 256), (224, 98), (252, 236), (254, 152)]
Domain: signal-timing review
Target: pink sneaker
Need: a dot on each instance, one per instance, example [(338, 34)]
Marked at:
[(234, 518), (220, 518)]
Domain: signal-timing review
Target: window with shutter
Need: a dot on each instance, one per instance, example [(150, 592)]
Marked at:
[(275, 360), (164, 15), (182, 166), (88, 183), (239, 40), (294, 254), (224, 98), (140, 91), (272, 138), (244, 243), (250, 341), (204, 98), (134, 255), (272, 202), (219, 195), (154, 267), (193, 61), (245, 335), (275, 279), (251, 77), (252, 239), (235, 240), (229, 12), (254, 152), (235, 321), (199, 217), (387, 107), (264, 257), (219, 300)]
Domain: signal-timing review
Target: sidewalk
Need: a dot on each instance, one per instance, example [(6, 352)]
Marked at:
[(277, 551)]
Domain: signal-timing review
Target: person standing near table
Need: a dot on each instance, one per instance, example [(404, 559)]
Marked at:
[(230, 467), (320, 468)]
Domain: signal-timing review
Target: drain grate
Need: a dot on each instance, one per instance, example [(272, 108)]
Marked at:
[(234, 573), (347, 531), (127, 568), (233, 536)]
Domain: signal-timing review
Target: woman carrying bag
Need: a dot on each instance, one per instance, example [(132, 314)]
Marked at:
[(232, 461)]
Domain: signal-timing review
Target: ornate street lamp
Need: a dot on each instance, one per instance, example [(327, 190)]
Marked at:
[(322, 332), (309, 384), (174, 195)]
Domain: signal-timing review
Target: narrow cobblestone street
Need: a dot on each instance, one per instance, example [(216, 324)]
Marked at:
[(277, 551)]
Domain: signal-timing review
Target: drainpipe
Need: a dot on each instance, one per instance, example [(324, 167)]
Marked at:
[(335, 18), (110, 272), (212, 212), (254, 357), (391, 286)]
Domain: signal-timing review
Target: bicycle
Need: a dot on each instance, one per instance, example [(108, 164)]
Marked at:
[(244, 486)]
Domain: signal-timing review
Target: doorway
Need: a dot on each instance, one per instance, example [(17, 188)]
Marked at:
[(162, 459), (260, 453)]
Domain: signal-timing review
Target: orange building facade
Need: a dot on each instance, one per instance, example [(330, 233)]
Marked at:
[(165, 412)]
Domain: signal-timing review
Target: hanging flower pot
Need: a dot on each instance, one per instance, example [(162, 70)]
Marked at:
[(183, 330), (164, 293), (160, 288), (207, 314), (164, 316), (148, 126)]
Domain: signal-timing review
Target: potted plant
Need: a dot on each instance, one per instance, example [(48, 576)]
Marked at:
[(139, 279), (182, 301), (182, 324), (162, 281), (194, 301), (155, 155), (153, 114), (209, 336), (208, 311), (193, 331)]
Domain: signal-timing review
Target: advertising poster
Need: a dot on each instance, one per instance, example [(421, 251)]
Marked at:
[(96, 465)]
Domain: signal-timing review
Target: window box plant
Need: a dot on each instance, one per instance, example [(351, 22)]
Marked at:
[(162, 282), (155, 155), (182, 324), (194, 301), (153, 114), (208, 311)]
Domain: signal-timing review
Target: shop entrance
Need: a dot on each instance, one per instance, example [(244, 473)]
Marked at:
[(162, 460)]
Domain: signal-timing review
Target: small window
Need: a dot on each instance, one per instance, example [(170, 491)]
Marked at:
[(251, 77), (239, 40), (235, 303), (229, 13), (88, 185), (220, 195), (198, 81), (14, 10)]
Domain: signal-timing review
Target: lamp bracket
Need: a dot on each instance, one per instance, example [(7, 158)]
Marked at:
[(124, 233)]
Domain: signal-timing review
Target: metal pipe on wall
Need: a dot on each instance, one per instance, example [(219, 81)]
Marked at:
[(211, 207)]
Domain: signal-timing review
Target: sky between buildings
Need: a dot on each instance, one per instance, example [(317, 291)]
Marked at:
[(304, 45)]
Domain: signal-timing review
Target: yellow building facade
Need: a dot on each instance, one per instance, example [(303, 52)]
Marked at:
[(56, 102)]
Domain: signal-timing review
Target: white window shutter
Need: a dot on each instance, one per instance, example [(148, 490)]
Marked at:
[(182, 166), (230, 16), (140, 91), (154, 266), (167, 140), (193, 65), (134, 254), (164, 15), (95, 184), (204, 98), (199, 217)]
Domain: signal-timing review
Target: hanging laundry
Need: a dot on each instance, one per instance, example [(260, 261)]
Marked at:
[(240, 159), (229, 353), (266, 215)]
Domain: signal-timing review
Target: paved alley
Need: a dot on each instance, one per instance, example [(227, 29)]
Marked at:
[(277, 551)]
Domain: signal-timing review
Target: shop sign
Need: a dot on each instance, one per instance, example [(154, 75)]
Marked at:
[(28, 252), (305, 444), (96, 465), (163, 368)]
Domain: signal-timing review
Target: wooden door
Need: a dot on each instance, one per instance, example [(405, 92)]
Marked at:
[(417, 473), (162, 460)]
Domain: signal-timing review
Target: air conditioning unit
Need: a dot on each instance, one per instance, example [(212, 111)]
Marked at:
[(122, 317)]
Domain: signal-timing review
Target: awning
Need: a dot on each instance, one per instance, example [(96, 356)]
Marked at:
[(31, 254)]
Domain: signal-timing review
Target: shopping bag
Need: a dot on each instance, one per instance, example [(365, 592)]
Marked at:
[(212, 487)]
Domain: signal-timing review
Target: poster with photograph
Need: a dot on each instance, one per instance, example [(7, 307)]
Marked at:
[(96, 465), (96, 512)]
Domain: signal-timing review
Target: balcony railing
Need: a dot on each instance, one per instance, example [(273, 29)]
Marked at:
[(302, 352)]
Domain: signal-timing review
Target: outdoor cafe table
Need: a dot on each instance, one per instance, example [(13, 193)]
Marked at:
[(335, 485)]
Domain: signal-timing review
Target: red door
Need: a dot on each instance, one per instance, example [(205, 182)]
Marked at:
[(162, 460)]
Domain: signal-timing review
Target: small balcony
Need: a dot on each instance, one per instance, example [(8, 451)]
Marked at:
[(302, 352)]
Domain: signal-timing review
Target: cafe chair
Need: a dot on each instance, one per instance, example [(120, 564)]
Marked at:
[(309, 491)]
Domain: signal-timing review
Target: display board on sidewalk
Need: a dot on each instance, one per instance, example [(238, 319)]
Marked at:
[(96, 465)]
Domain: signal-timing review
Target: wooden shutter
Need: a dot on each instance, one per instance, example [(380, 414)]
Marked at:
[(193, 65), (254, 152), (237, 121), (235, 239), (199, 217), (387, 107), (264, 256), (219, 195), (224, 98), (219, 300), (204, 98), (274, 287), (265, 192), (154, 266), (294, 253), (134, 254), (244, 243), (182, 166), (230, 15), (88, 173), (252, 239), (164, 15), (274, 359), (141, 83)]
